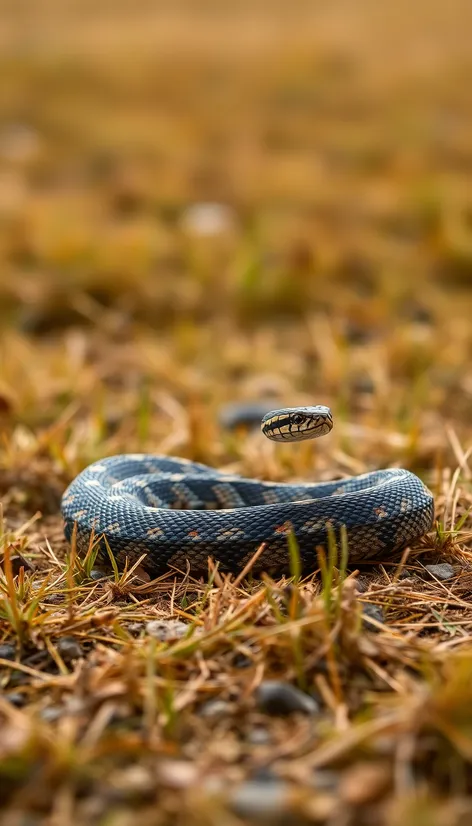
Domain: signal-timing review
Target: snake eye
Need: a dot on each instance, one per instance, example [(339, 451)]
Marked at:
[(298, 418)]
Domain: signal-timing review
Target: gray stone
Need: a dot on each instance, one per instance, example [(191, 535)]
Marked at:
[(165, 630), (134, 628), (259, 736), (214, 709), (69, 649), (16, 699), (276, 697), (443, 570), (96, 574), (261, 799), (51, 714), (374, 612), (7, 651)]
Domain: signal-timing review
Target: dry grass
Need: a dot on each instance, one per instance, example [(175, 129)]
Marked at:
[(341, 274)]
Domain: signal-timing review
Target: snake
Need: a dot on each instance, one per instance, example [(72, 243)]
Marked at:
[(173, 513)]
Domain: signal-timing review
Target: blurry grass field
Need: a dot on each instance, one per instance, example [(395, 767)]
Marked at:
[(203, 203)]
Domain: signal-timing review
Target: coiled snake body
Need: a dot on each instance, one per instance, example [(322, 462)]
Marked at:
[(179, 512)]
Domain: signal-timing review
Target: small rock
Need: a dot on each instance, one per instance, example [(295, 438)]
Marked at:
[(259, 736), (363, 384), (207, 219), (374, 612), (165, 630), (356, 333), (177, 774), (53, 599), (405, 573), (275, 697), (7, 651), (51, 714), (131, 783), (69, 649), (214, 709), (442, 570), (16, 699), (96, 574), (261, 799), (264, 774), (134, 628), (242, 661), (420, 314)]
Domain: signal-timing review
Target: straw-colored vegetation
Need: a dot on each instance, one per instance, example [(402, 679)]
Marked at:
[(335, 143)]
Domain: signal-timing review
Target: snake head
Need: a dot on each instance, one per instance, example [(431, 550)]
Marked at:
[(295, 424)]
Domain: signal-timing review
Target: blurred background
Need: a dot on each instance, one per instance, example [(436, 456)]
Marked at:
[(205, 201)]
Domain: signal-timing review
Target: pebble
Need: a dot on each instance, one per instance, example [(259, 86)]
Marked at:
[(134, 628), (131, 783), (363, 384), (7, 651), (259, 736), (165, 630), (207, 219), (95, 573), (356, 333), (407, 574), (53, 599), (69, 649), (16, 699), (51, 714), (214, 709), (275, 697), (177, 774), (442, 570), (420, 314), (242, 661), (264, 774), (261, 799), (374, 612)]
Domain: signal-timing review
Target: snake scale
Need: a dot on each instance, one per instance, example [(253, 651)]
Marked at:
[(179, 512)]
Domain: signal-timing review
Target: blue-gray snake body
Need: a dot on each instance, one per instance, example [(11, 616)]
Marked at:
[(179, 512)]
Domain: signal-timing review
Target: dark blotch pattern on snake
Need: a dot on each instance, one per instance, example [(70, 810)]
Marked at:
[(179, 512)]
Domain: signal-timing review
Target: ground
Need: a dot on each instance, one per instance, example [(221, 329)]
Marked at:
[(200, 204)]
